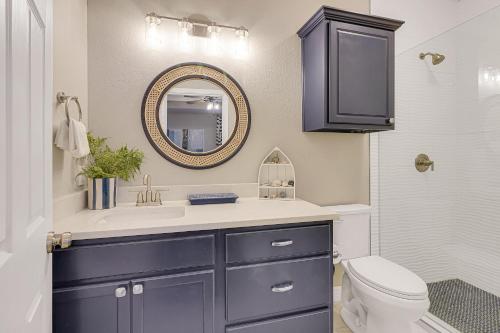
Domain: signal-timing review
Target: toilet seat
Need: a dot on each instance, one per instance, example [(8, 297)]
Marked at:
[(388, 277)]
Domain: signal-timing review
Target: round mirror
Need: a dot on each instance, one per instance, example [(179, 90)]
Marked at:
[(196, 115)]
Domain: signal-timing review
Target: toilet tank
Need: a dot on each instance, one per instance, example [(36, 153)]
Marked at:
[(351, 233)]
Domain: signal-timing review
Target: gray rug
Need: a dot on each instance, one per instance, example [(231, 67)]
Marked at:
[(465, 307)]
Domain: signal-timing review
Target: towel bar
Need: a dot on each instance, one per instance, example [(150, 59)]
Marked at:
[(62, 98)]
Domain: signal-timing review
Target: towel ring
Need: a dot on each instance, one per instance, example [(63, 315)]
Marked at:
[(62, 98)]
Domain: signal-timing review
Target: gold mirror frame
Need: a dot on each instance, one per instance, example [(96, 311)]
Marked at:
[(159, 140)]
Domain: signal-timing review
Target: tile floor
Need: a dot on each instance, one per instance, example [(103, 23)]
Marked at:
[(464, 306), (338, 323)]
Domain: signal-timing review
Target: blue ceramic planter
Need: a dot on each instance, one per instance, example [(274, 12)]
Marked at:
[(101, 193)]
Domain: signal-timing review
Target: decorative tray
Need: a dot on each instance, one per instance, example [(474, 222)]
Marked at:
[(212, 198)]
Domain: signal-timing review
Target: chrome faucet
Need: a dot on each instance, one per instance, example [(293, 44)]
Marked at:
[(147, 198)]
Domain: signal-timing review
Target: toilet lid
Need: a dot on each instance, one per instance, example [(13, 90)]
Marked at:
[(388, 277)]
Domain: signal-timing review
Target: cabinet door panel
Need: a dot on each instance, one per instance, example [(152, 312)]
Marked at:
[(92, 308), (181, 303), (361, 74)]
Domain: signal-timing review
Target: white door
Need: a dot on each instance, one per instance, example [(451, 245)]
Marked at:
[(25, 165)]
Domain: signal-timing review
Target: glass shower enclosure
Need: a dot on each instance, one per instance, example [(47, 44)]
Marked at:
[(444, 224)]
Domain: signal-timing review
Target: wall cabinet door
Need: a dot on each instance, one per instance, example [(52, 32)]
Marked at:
[(181, 303), (100, 308), (348, 72), (361, 75)]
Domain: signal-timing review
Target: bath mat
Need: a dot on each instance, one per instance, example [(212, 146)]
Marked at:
[(465, 307)]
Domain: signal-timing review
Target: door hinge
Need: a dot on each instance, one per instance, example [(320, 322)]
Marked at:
[(54, 240)]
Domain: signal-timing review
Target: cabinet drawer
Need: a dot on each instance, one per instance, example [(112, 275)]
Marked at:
[(96, 261), (280, 243), (317, 322), (275, 288)]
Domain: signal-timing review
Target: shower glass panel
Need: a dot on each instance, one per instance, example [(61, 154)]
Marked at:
[(445, 224)]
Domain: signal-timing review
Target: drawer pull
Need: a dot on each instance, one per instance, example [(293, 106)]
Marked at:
[(282, 288), (282, 243)]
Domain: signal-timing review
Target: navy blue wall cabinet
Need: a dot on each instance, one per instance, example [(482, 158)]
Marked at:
[(348, 72), (198, 282)]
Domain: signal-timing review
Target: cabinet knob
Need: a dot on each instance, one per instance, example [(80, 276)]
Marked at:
[(120, 292), (137, 289)]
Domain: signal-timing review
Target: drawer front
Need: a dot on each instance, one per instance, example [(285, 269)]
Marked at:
[(264, 290), (97, 261), (280, 243), (316, 322)]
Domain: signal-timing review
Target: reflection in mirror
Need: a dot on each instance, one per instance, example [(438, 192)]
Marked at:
[(197, 115)]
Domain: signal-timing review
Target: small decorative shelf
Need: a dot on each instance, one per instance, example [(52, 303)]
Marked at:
[(276, 177)]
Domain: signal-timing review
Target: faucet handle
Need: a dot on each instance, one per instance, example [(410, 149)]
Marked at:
[(140, 199), (158, 198)]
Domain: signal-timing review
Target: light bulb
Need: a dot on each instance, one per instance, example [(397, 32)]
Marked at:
[(217, 106), (241, 44), (153, 36), (214, 39), (185, 42), (210, 106)]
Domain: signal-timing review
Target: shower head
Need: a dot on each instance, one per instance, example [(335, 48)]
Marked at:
[(436, 57)]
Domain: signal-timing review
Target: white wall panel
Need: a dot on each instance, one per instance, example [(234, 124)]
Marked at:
[(445, 224), (425, 19), (3, 122)]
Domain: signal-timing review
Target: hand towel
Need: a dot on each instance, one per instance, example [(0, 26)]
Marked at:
[(62, 135), (78, 143)]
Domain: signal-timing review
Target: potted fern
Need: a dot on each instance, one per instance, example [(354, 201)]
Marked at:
[(104, 167)]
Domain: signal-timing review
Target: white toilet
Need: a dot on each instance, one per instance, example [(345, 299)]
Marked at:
[(378, 296)]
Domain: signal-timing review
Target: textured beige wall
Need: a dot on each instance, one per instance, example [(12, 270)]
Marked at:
[(70, 76), (331, 168)]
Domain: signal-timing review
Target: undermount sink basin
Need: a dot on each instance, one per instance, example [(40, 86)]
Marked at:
[(137, 214)]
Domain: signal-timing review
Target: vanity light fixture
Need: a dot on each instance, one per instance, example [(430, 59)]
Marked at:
[(189, 28), (241, 45), (185, 29), (213, 45), (153, 36)]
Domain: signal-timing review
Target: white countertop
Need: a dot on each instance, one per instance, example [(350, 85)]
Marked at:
[(246, 212)]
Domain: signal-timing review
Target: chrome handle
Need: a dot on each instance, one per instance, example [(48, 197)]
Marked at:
[(282, 288), (282, 243), (137, 289), (120, 292)]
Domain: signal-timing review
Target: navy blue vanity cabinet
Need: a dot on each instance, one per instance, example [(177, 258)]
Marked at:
[(174, 303), (96, 308), (268, 279), (348, 72)]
